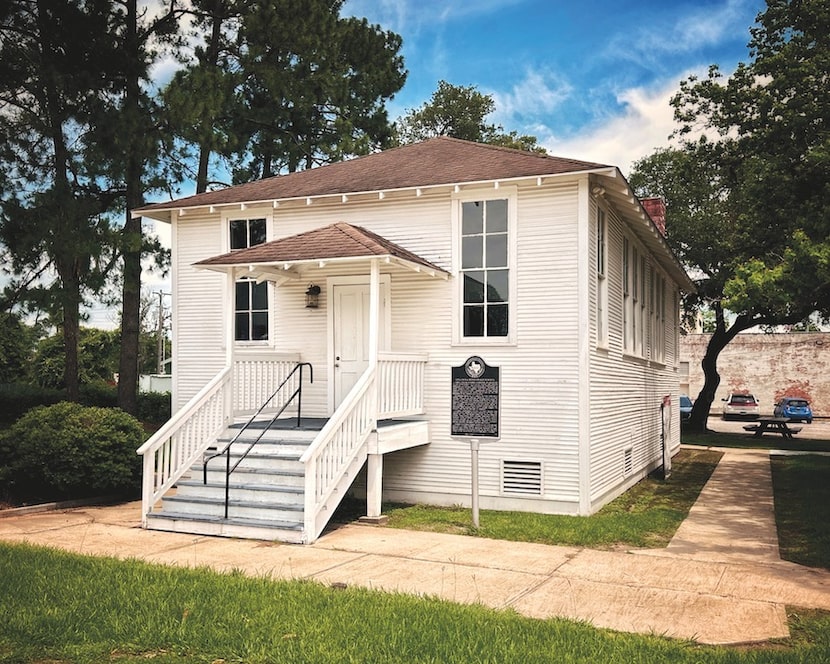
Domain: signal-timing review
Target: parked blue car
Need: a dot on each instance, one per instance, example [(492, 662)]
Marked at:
[(685, 407), (794, 408)]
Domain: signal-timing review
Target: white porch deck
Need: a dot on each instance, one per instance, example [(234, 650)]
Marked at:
[(288, 484)]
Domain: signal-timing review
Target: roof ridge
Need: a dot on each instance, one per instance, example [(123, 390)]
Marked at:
[(360, 237)]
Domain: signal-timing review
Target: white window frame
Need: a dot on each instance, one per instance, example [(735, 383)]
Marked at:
[(602, 278), (230, 298), (510, 194)]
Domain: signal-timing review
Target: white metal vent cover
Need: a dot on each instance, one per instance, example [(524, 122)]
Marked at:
[(521, 477), (628, 461)]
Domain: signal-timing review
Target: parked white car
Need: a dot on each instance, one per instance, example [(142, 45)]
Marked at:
[(741, 405)]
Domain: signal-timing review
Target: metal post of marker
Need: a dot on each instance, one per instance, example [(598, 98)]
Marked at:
[(474, 465)]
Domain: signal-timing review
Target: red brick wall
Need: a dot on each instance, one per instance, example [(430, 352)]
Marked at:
[(768, 365)]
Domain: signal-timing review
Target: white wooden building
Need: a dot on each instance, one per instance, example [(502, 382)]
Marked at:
[(380, 275)]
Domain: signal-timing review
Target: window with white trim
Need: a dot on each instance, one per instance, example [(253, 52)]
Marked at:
[(250, 297), (626, 269), (485, 269), (602, 282)]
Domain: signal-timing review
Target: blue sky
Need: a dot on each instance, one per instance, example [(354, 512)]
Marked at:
[(591, 80)]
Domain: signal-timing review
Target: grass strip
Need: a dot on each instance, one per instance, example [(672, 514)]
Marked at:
[(747, 441), (645, 516), (802, 508), (59, 607)]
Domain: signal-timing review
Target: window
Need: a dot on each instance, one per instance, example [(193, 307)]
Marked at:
[(251, 298), (602, 287), (484, 268), (626, 269)]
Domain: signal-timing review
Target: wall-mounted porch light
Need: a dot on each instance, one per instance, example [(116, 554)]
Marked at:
[(312, 297)]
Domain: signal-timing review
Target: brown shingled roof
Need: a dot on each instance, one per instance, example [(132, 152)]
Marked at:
[(433, 162), (339, 240)]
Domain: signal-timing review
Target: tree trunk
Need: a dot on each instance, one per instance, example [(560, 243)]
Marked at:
[(711, 378), (131, 240)]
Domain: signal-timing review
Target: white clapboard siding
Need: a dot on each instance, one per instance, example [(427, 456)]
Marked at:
[(540, 371)]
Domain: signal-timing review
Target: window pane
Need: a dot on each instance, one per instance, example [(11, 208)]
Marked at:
[(257, 231), (473, 321), (473, 287), (497, 250), (239, 234), (472, 218), (242, 331), (259, 297), (497, 320), (471, 252), (497, 216), (497, 285), (260, 326), (243, 302)]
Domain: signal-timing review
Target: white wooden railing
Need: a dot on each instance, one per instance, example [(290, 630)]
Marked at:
[(400, 384), (340, 445), (394, 388), (176, 446)]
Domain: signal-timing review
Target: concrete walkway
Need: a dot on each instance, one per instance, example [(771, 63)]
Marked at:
[(719, 581)]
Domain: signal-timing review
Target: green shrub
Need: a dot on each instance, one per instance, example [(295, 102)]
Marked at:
[(154, 407), (99, 393), (17, 398), (69, 451)]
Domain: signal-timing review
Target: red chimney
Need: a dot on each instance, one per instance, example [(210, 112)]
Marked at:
[(656, 209)]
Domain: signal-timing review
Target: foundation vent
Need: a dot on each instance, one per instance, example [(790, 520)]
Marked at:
[(628, 461), (522, 477)]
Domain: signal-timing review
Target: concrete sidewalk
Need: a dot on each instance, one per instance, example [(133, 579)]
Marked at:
[(719, 581)]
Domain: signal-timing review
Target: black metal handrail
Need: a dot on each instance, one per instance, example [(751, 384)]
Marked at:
[(298, 394)]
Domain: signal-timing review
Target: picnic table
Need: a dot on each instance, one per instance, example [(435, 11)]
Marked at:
[(780, 425)]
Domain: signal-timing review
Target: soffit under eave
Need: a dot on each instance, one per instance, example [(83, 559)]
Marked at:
[(166, 213), (622, 198), (283, 271)]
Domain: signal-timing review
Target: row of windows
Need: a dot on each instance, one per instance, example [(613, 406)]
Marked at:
[(485, 273), (643, 305)]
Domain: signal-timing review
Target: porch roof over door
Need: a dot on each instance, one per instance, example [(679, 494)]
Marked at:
[(340, 242)]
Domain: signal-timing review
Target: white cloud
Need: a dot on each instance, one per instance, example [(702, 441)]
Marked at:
[(645, 124), (540, 93), (702, 28)]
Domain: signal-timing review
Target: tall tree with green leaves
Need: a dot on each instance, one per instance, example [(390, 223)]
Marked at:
[(135, 146), (459, 111), (200, 101), (53, 222), (283, 85), (749, 210)]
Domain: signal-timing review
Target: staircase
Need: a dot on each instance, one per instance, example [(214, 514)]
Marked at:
[(265, 492)]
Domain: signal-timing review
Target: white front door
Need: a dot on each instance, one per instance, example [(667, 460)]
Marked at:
[(351, 334)]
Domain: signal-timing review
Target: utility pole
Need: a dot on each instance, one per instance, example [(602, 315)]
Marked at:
[(160, 334)]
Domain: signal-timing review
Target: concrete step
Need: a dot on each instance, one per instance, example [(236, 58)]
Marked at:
[(290, 532), (267, 494), (288, 475), (247, 509)]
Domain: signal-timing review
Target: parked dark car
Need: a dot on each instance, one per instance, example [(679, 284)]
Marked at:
[(794, 408), (685, 407)]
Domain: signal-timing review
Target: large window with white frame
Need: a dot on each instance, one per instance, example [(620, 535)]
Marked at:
[(250, 297), (484, 251), (602, 282)]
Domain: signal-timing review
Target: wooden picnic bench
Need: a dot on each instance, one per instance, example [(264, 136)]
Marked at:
[(779, 425)]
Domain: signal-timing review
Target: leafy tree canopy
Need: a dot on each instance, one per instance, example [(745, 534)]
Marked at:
[(460, 112), (749, 207)]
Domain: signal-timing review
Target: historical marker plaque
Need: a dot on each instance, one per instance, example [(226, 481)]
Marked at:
[(475, 400)]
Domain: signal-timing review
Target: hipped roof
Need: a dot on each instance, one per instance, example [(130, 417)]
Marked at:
[(340, 241), (438, 161)]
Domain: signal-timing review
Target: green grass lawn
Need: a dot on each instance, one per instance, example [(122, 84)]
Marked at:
[(802, 508), (59, 608), (745, 441), (645, 516)]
